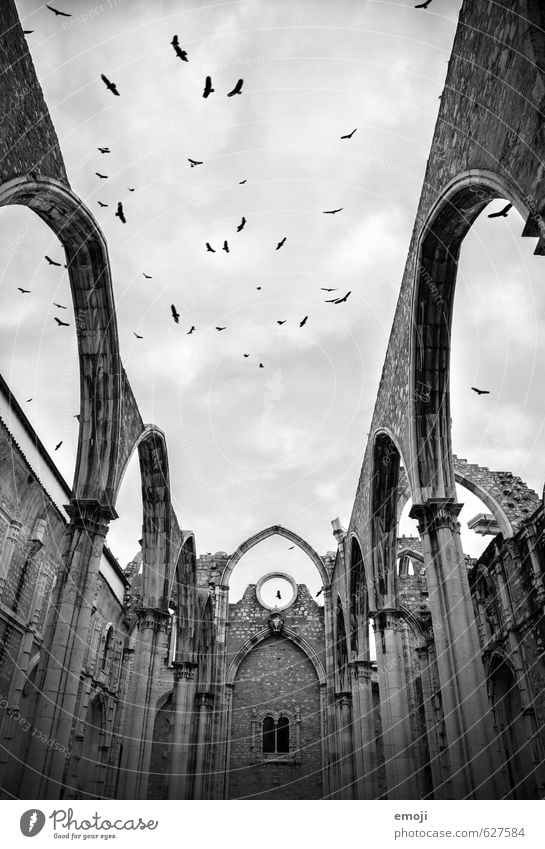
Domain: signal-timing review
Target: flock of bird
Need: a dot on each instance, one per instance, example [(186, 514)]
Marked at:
[(193, 163)]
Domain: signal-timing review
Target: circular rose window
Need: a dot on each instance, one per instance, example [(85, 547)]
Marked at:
[(276, 591)]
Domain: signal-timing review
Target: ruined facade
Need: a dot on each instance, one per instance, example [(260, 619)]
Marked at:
[(146, 682)]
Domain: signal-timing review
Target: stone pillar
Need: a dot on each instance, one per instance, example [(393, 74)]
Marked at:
[(399, 761), (64, 649), (221, 715), (149, 655), (346, 746), (204, 706), (180, 777), (7, 552), (363, 713), (472, 750)]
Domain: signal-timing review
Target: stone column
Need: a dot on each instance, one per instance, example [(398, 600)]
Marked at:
[(363, 713), (64, 649), (180, 777), (346, 746), (472, 750), (204, 706), (399, 761), (149, 655)]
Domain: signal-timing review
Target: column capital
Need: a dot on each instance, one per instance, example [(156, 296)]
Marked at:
[(362, 670), (435, 514), (205, 699), (89, 514), (150, 618), (387, 617), (184, 670)]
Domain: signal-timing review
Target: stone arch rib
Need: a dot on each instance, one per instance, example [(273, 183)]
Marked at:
[(275, 530), (262, 635)]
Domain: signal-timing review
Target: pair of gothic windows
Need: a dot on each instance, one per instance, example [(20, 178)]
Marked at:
[(275, 735)]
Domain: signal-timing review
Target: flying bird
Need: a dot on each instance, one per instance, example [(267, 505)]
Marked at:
[(225, 247), (137, 336), (28, 400), (24, 291), (282, 242), (245, 355), (210, 248), (56, 12), (175, 314), (237, 89), (258, 288), (102, 176), (333, 211), (109, 85), (193, 162), (52, 261), (319, 592), (328, 290), (261, 365), (278, 594), (61, 323), (58, 445), (481, 391), (191, 330), (241, 182), (282, 322), (208, 87), (221, 328), (303, 322), (291, 547), (338, 300), (178, 50), (120, 214), (59, 306), (502, 213), (349, 135), (28, 32), (423, 5), (104, 149), (102, 204), (241, 225), (147, 276), (131, 190)]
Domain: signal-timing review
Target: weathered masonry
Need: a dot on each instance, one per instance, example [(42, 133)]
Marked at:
[(422, 675)]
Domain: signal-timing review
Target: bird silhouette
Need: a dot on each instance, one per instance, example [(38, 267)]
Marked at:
[(281, 243), (131, 190), (24, 291), (333, 211), (175, 314), (319, 592), (291, 547), (258, 288), (502, 213), (191, 330), (338, 300), (208, 87), (104, 149), (178, 50), (225, 247), (56, 12), (282, 322), (28, 32), (102, 176), (241, 225), (221, 328), (241, 182), (193, 162), (349, 135), (245, 355), (278, 594), (328, 290), (102, 204), (109, 85), (120, 214), (210, 248), (58, 445), (303, 322), (61, 323), (481, 391), (137, 336), (59, 306), (52, 261), (237, 89), (423, 5), (28, 400), (261, 365), (147, 276)]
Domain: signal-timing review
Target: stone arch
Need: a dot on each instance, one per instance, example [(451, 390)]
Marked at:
[(258, 638), (386, 460), (341, 649), (359, 601), (205, 645), (157, 524), (101, 372), (277, 530), (160, 746), (438, 252), (184, 597), (92, 751)]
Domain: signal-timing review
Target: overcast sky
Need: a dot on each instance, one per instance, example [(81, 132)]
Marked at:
[(253, 447)]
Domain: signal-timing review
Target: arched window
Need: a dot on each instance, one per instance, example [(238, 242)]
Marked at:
[(107, 646), (276, 735)]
